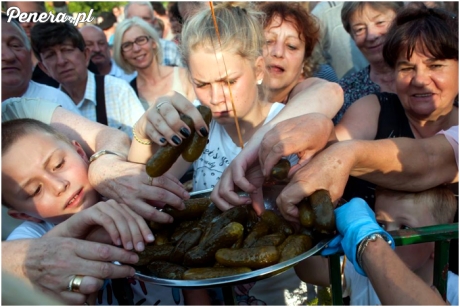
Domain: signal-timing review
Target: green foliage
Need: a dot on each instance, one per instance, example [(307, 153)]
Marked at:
[(324, 297), (86, 6)]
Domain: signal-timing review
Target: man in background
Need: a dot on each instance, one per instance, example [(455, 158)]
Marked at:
[(61, 51), (96, 42), (144, 10)]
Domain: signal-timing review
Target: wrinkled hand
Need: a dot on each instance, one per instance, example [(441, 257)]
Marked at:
[(355, 220), (328, 170), (165, 121), (303, 135), (107, 220), (243, 173), (51, 262), (128, 183)]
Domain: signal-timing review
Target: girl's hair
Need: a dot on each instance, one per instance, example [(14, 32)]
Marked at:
[(14, 130), (306, 25), (350, 7), (124, 26), (433, 30), (441, 201), (239, 28)]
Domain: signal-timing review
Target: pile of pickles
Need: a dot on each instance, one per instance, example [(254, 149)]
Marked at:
[(204, 242)]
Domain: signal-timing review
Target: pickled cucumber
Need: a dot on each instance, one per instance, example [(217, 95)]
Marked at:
[(211, 212), (298, 244), (153, 253), (194, 209), (306, 214), (323, 209), (273, 239), (280, 171), (188, 240), (205, 273), (167, 270), (182, 229), (260, 229), (194, 150), (276, 222), (203, 254), (252, 257), (236, 214), (166, 156)]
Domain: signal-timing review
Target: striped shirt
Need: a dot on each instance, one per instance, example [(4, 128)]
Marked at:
[(171, 54)]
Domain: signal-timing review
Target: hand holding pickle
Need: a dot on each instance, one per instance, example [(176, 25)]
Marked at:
[(169, 134), (165, 122)]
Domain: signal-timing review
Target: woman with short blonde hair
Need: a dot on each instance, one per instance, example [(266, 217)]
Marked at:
[(137, 48)]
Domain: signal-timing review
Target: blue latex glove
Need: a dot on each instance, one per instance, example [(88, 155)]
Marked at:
[(355, 221), (333, 247)]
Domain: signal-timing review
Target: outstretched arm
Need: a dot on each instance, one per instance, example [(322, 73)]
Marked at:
[(313, 96), (398, 163), (111, 175), (388, 274), (404, 163)]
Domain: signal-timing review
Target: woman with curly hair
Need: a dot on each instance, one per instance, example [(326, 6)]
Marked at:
[(291, 34)]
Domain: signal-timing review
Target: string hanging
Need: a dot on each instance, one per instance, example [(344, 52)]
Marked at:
[(216, 27)]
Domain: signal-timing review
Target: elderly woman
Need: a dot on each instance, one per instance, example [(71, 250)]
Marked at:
[(137, 48), (368, 24), (291, 34), (422, 51)]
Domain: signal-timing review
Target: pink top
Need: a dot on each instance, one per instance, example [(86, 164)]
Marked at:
[(452, 136)]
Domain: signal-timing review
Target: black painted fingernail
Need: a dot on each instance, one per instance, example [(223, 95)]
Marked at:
[(184, 131), (203, 131), (176, 140), (162, 140)]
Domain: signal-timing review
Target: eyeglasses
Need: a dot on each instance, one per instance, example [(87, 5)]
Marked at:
[(141, 40)]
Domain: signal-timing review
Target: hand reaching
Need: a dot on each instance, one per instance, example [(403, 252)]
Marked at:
[(128, 183), (107, 220)]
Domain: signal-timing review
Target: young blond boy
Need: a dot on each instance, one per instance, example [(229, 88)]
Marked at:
[(45, 181), (395, 210)]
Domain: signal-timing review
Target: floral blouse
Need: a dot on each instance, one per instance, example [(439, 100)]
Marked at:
[(355, 87)]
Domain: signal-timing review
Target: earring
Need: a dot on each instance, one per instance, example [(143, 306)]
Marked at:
[(259, 82)]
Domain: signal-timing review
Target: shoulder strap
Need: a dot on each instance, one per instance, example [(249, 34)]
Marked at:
[(133, 84), (101, 113)]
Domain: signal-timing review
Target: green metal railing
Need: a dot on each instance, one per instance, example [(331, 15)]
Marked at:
[(440, 234)]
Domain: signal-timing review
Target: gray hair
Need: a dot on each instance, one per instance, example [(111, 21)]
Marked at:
[(350, 7), (124, 26), (141, 3), (22, 33)]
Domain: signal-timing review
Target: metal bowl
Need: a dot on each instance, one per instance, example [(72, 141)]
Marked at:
[(146, 276), (270, 195)]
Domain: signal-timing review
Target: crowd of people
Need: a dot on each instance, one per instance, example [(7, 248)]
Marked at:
[(360, 97)]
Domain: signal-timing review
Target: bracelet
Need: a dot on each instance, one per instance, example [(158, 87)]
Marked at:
[(105, 152), (363, 244), (139, 140)]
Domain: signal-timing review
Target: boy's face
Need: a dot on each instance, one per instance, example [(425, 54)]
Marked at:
[(393, 213), (46, 179)]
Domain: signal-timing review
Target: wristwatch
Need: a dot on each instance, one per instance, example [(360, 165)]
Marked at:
[(104, 152), (364, 242)]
